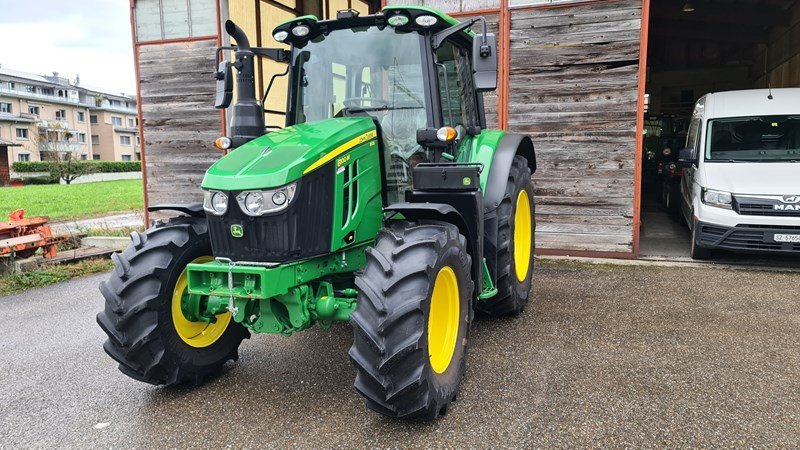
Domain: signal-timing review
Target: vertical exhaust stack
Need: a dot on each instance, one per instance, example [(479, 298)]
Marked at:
[(247, 115)]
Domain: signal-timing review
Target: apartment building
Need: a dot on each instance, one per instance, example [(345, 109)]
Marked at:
[(49, 113), (115, 128), (48, 106)]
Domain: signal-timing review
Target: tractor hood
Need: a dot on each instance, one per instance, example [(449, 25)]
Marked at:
[(281, 157)]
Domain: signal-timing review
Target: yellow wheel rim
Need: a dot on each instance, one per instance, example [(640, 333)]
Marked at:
[(443, 320), (522, 235), (196, 334)]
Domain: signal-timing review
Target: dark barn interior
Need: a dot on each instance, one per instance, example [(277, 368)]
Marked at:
[(696, 47)]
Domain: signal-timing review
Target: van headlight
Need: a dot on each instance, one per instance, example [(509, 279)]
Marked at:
[(719, 199), (258, 203), (215, 202)]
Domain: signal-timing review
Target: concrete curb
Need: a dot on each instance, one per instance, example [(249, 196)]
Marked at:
[(676, 262), (116, 243)]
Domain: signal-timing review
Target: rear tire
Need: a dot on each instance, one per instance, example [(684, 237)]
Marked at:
[(409, 351), (512, 293), (138, 314)]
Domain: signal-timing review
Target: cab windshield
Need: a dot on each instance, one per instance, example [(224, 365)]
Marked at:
[(356, 71), (367, 71), (754, 139)]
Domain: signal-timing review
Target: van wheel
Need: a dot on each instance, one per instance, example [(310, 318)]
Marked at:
[(697, 252)]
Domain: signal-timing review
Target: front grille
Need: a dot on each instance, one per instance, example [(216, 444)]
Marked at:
[(764, 207), (748, 238), (301, 231)]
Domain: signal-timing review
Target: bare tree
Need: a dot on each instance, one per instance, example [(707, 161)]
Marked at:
[(58, 147)]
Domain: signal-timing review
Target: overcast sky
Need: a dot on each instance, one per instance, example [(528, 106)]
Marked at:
[(87, 37)]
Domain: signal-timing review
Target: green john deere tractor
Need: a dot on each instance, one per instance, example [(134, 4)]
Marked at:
[(384, 202)]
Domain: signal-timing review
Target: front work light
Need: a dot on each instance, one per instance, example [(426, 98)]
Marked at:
[(215, 202), (426, 21), (280, 36), (398, 20), (301, 30)]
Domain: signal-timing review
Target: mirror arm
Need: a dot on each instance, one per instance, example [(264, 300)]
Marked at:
[(440, 37), (275, 54)]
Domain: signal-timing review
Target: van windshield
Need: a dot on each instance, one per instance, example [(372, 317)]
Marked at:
[(754, 139)]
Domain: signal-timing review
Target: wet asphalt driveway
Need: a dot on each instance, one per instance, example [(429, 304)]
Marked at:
[(605, 356)]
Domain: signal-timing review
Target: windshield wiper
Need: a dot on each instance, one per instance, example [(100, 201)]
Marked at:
[(348, 111)]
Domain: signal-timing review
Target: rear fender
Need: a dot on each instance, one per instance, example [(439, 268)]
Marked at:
[(508, 147)]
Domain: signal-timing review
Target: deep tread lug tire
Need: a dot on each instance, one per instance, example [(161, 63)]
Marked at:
[(138, 308), (390, 349), (512, 295)]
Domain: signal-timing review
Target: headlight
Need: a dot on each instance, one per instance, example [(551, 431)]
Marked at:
[(215, 202), (257, 203), (718, 199)]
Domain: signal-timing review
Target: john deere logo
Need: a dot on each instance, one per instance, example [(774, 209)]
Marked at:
[(467, 181), (237, 231)]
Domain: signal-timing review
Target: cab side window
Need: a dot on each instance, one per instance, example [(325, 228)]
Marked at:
[(456, 91)]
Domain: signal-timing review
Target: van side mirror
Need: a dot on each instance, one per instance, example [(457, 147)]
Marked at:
[(484, 62), (224, 85), (687, 157)]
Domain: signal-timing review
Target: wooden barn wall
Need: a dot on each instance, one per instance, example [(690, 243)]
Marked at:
[(573, 87), (179, 120)]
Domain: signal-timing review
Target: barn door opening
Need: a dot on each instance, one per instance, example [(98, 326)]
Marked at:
[(696, 47)]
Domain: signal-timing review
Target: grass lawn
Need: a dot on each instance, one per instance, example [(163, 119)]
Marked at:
[(60, 202)]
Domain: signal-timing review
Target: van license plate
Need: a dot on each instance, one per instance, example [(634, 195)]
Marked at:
[(787, 238)]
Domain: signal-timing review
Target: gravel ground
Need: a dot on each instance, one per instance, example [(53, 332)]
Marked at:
[(604, 356)]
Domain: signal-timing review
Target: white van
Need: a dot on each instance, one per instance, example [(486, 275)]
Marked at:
[(741, 184)]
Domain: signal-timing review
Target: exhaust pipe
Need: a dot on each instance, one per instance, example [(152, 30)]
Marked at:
[(247, 115)]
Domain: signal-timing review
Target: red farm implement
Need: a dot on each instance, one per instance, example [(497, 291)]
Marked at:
[(21, 237)]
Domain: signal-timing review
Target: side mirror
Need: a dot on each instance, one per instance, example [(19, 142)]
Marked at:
[(484, 62), (224, 85), (687, 157)]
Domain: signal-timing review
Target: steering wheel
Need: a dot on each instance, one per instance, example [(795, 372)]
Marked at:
[(358, 102)]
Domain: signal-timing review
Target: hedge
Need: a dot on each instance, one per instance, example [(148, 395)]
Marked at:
[(100, 166)]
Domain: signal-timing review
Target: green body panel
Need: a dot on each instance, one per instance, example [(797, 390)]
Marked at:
[(280, 299), (280, 157), (357, 205), (481, 149)]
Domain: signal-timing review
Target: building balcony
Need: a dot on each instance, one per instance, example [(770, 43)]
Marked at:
[(4, 90), (123, 129), (55, 124)]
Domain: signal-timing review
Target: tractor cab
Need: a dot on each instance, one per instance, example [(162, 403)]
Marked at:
[(417, 73)]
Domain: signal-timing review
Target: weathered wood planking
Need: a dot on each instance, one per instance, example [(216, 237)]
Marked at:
[(573, 88), (180, 122)]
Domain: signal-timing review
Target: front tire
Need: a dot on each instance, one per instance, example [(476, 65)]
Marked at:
[(515, 243), (697, 252), (147, 333), (412, 321)]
